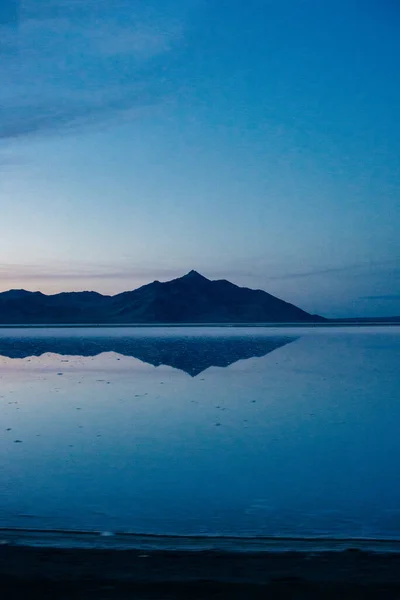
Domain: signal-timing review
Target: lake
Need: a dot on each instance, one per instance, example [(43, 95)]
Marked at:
[(209, 431)]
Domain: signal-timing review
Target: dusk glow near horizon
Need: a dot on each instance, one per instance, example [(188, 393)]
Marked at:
[(254, 141)]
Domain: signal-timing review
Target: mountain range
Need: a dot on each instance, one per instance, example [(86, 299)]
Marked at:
[(188, 299)]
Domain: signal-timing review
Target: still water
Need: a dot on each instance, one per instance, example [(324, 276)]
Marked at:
[(251, 431)]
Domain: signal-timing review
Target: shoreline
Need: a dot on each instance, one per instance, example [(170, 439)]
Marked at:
[(61, 539), (43, 572), (300, 325)]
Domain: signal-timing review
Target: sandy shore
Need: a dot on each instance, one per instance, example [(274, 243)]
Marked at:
[(45, 572)]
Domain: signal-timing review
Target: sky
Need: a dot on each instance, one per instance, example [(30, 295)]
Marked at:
[(255, 141)]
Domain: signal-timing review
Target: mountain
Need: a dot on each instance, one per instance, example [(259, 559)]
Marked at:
[(188, 299), (366, 320), (191, 354)]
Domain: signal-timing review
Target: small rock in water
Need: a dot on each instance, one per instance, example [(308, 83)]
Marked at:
[(217, 424), (17, 441), (60, 373), (9, 429)]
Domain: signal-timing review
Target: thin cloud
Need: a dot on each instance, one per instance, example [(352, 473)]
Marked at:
[(64, 276), (71, 63), (10, 273), (383, 297), (130, 272), (354, 268)]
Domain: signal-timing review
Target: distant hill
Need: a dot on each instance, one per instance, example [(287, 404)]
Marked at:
[(188, 299), (361, 320)]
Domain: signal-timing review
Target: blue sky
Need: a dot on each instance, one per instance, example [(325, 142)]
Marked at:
[(257, 141)]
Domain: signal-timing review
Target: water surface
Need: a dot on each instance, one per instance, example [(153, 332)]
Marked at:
[(284, 432)]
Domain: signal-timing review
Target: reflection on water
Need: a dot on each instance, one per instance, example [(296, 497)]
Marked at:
[(192, 354), (298, 439)]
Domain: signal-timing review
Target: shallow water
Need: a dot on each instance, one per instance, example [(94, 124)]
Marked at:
[(283, 432)]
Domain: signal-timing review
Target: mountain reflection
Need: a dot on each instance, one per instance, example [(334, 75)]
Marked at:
[(193, 355)]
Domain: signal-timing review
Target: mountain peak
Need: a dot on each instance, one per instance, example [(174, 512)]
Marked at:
[(194, 275), (18, 293)]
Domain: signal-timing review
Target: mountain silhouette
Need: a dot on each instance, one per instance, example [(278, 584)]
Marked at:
[(191, 354), (188, 299)]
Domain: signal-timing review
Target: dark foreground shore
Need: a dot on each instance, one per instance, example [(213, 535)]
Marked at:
[(39, 572)]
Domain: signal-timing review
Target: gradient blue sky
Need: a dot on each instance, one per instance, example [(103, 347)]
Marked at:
[(253, 140)]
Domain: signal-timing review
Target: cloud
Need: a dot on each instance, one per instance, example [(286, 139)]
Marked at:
[(125, 275), (74, 62), (383, 297), (64, 276), (351, 269), (81, 271)]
